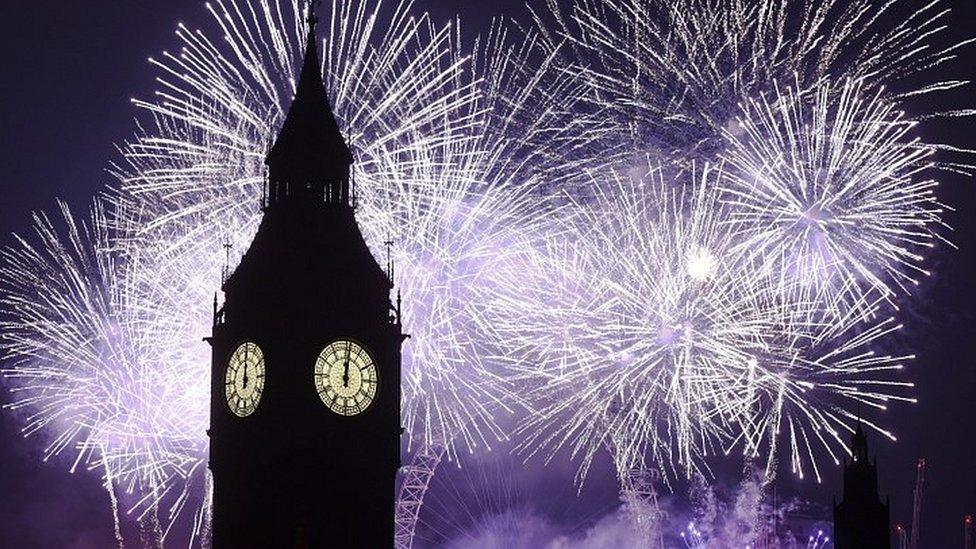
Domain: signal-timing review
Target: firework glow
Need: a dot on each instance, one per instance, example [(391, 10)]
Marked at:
[(836, 193), (670, 76), (670, 232), (825, 209)]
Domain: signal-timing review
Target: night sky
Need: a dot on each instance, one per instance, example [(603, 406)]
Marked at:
[(68, 70)]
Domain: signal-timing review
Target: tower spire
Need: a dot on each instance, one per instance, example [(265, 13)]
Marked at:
[(859, 442), (310, 158), (312, 18)]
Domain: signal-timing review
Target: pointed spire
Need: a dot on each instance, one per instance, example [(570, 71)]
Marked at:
[(310, 158), (859, 443), (312, 18)]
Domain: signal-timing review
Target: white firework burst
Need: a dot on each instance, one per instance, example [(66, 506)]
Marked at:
[(638, 318), (79, 366), (810, 393), (670, 74), (399, 90), (833, 195)]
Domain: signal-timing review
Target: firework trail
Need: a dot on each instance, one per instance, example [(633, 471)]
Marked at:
[(702, 79), (78, 365), (669, 76), (818, 541), (834, 194), (637, 320), (743, 517), (808, 392), (478, 500), (692, 537), (490, 500)]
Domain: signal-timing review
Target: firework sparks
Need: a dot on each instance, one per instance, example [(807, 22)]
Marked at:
[(417, 123), (651, 331), (453, 240), (810, 392), (77, 362), (670, 75), (704, 80), (641, 312), (832, 193)]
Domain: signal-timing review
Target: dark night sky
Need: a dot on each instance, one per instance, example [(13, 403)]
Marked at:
[(65, 79)]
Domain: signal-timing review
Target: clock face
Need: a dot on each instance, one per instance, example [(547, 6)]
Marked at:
[(244, 382), (346, 378)]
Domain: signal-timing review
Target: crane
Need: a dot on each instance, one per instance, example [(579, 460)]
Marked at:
[(967, 524), (917, 503), (900, 533)]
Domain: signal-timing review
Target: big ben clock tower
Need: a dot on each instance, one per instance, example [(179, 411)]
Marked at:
[(305, 382)]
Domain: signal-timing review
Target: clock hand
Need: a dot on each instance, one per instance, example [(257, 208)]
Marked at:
[(245, 367), (345, 367)]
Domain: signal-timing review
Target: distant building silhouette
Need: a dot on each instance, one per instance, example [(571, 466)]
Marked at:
[(861, 518), (305, 389)]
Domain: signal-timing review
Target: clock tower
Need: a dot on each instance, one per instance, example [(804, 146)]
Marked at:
[(305, 382)]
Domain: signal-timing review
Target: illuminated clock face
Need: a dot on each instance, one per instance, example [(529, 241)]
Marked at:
[(245, 379), (346, 378)]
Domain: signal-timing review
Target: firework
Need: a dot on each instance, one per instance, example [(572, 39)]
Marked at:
[(424, 171), (448, 246), (64, 328), (637, 317), (454, 241), (832, 193), (704, 80), (652, 331), (80, 367), (811, 393), (670, 75), (77, 359)]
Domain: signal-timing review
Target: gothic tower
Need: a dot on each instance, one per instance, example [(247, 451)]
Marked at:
[(305, 382), (861, 519)]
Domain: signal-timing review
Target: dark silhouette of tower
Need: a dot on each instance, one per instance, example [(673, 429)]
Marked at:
[(305, 386), (861, 519)]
